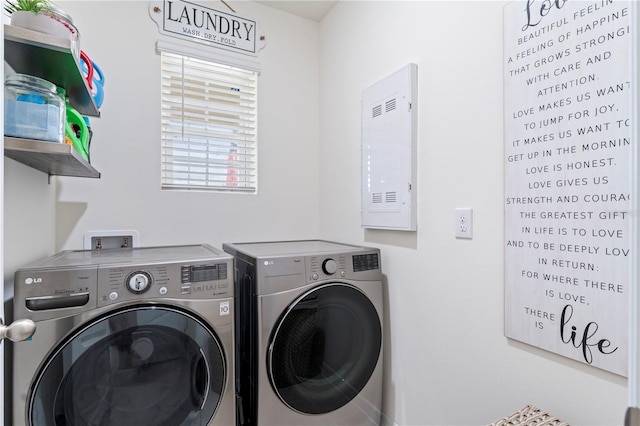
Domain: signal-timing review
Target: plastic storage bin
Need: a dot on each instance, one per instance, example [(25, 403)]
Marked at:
[(33, 109)]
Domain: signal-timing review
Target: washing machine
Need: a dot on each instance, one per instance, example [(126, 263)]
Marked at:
[(309, 342), (126, 337)]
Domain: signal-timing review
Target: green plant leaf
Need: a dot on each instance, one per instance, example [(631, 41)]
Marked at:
[(34, 6)]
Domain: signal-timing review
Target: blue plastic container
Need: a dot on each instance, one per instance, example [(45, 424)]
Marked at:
[(33, 109)]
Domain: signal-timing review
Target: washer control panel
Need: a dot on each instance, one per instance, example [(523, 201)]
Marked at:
[(197, 280)]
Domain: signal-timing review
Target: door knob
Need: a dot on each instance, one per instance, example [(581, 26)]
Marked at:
[(18, 330)]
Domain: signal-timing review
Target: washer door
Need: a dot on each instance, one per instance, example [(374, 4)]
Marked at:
[(324, 348), (146, 365)]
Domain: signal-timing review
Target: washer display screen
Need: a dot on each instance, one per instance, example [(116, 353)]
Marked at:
[(152, 366)]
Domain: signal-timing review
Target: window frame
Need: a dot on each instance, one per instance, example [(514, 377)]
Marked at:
[(209, 117)]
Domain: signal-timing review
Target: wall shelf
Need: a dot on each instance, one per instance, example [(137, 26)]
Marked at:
[(55, 159), (51, 58)]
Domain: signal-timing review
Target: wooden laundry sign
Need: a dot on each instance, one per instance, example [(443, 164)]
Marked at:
[(568, 167), (194, 22)]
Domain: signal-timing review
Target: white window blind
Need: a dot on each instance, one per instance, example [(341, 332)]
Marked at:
[(209, 124)]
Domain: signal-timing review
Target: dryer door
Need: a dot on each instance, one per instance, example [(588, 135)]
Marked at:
[(324, 348), (146, 365)]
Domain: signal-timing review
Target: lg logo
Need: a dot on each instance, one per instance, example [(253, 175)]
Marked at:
[(33, 281)]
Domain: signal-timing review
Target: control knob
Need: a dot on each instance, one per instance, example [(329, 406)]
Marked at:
[(329, 266), (138, 282)]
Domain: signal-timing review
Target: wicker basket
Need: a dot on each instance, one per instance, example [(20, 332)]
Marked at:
[(529, 416)]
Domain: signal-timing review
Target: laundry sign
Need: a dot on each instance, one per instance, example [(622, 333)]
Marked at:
[(198, 23)]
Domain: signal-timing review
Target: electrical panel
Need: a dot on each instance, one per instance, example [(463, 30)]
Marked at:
[(389, 135)]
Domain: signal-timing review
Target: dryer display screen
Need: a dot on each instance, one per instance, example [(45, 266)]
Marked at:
[(365, 262), (196, 274)]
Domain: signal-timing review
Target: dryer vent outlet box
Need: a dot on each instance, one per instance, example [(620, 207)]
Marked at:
[(389, 127)]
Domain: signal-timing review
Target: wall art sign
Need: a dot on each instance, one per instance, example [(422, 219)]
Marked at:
[(568, 163), (194, 22)]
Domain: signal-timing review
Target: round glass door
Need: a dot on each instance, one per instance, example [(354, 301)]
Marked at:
[(324, 348), (146, 365)]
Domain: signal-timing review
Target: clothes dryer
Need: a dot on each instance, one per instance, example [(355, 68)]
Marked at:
[(126, 337), (309, 320)]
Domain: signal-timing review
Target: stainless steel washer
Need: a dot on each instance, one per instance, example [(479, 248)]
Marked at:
[(126, 337), (309, 341)]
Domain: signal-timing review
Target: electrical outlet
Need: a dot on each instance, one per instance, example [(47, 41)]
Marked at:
[(463, 223)]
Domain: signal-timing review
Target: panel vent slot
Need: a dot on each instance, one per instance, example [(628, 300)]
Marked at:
[(390, 197), (377, 111), (390, 105), (376, 198)]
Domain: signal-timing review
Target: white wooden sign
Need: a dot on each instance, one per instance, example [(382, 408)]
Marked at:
[(202, 24), (568, 165)]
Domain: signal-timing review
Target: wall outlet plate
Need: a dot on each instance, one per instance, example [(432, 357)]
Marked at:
[(463, 219)]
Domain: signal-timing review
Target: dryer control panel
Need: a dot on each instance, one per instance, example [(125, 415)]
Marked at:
[(361, 266)]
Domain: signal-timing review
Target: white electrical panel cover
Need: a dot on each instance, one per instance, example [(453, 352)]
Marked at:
[(389, 127)]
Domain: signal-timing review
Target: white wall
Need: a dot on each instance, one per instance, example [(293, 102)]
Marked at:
[(447, 361), (29, 218), (120, 37)]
